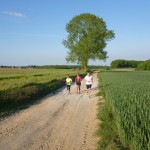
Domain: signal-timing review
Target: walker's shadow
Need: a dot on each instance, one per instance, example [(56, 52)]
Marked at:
[(95, 88), (81, 92), (92, 96), (92, 89)]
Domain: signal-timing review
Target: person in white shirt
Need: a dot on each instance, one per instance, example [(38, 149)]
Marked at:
[(89, 80)]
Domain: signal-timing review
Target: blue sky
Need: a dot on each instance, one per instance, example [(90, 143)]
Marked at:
[(32, 31)]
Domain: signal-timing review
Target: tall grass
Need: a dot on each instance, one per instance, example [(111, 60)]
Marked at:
[(21, 86)]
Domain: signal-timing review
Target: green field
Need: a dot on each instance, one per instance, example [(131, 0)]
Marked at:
[(17, 78), (128, 96), (19, 86)]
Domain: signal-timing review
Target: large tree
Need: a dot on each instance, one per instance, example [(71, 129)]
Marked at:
[(87, 38)]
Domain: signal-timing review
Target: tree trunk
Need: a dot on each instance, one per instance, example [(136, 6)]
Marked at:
[(85, 60), (85, 68), (85, 65)]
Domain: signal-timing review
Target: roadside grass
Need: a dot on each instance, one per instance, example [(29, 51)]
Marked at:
[(17, 99), (20, 88)]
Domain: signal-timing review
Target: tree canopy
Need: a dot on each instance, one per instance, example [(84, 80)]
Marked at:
[(87, 38)]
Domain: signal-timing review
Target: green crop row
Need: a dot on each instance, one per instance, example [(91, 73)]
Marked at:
[(128, 94)]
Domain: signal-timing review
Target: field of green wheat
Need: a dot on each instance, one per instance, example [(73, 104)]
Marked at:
[(128, 95)]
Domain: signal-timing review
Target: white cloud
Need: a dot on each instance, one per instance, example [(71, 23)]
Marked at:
[(14, 13)]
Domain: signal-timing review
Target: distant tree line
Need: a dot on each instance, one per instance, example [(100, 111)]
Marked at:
[(144, 65), (74, 67), (121, 63), (140, 65)]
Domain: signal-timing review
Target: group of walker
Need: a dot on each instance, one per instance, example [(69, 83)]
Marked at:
[(88, 81)]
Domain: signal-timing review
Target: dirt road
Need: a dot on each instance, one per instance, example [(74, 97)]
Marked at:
[(59, 121)]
